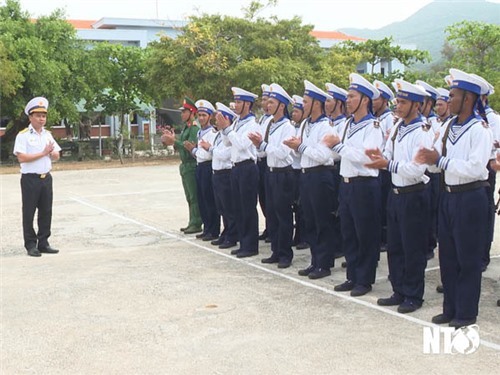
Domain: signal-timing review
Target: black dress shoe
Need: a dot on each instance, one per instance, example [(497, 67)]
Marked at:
[(192, 230), (459, 323), (344, 287), (263, 236), (235, 251), (360, 290), (209, 237), (306, 271), (48, 250), (319, 273), (227, 245), (270, 260), (408, 307), (441, 319), (302, 246), (217, 242), (200, 236), (284, 263), (246, 254), (33, 252), (344, 265), (394, 300), (440, 289)]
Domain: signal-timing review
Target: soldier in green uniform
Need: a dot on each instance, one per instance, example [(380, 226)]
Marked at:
[(188, 162)]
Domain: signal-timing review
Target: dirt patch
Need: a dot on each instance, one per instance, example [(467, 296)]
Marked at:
[(68, 165)]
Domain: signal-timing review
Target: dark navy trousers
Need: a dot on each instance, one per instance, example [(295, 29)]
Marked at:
[(317, 194), (360, 215), (297, 209), (407, 226), (385, 188), (221, 181), (262, 165), (492, 175), (206, 200), (463, 234), (337, 231), (434, 193), (245, 186), (36, 194), (279, 198)]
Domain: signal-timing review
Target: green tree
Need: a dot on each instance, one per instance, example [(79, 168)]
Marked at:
[(216, 52), (475, 48)]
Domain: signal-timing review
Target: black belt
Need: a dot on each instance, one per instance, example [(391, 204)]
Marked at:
[(205, 162), (350, 180), (465, 187), (282, 169), (221, 171), (248, 161), (318, 168), (408, 189), (38, 175)]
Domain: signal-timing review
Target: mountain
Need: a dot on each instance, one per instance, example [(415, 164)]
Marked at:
[(425, 28)]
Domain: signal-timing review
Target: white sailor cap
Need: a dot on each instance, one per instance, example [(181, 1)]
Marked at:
[(38, 104), (409, 91), (490, 90), (265, 89), (240, 94), (205, 106), (361, 85), (433, 93), (298, 102), (467, 82), (384, 90), (315, 92), (336, 92), (443, 94), (277, 92), (226, 111)]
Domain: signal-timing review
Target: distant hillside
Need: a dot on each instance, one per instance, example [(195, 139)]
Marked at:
[(426, 27)]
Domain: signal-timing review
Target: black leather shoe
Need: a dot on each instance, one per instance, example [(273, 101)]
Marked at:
[(440, 289), (270, 260), (459, 323), (306, 271), (263, 236), (235, 251), (319, 273), (360, 290), (344, 265), (209, 237), (302, 246), (192, 230), (33, 252), (408, 307), (394, 300), (227, 245), (344, 287), (441, 319), (217, 242), (246, 254), (284, 263), (200, 236), (48, 250)]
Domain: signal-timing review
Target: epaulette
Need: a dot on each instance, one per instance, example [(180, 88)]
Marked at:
[(376, 124), (23, 131)]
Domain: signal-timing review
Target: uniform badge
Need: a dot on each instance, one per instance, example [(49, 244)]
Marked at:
[(376, 124)]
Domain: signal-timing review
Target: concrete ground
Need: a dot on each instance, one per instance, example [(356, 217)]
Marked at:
[(129, 294)]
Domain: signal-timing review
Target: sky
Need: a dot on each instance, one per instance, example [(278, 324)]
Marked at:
[(325, 15)]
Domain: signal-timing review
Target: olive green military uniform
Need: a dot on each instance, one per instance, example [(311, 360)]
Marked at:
[(187, 170)]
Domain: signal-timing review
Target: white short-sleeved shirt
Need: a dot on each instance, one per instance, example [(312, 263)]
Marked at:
[(29, 141)]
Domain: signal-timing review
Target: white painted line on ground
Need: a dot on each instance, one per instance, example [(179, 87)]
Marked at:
[(307, 284)]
